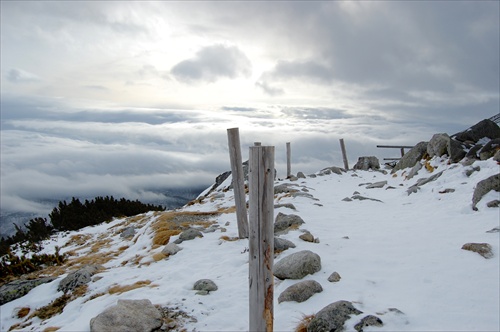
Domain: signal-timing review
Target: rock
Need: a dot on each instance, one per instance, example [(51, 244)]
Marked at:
[(284, 188), (308, 237), (332, 317), (297, 265), (414, 170), (187, 235), (301, 175), (332, 169), (18, 288), (379, 184), (456, 151), (300, 291), (493, 204), (205, 285), (128, 232), (473, 152), (411, 157), (292, 178), (171, 249), (496, 157), (128, 315), (282, 244), (78, 278), (413, 190), (363, 198), (438, 145), (489, 149), (369, 320), (447, 191), (483, 249), (284, 221), (494, 230), (285, 205), (471, 170), (422, 181), (483, 187), (484, 128), (334, 277), (347, 199), (367, 163)]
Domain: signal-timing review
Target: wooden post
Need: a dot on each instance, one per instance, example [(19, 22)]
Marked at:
[(344, 154), (288, 160), (261, 239), (402, 152), (233, 136)]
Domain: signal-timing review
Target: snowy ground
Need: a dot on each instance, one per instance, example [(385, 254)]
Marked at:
[(404, 252)]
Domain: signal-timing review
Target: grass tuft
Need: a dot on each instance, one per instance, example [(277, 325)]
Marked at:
[(118, 289), (304, 323)]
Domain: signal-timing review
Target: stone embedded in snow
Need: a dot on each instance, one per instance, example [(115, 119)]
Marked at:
[(285, 188), (282, 244), (78, 278), (332, 317), (411, 157), (205, 285), (128, 232), (367, 163), (301, 175), (483, 249), (468, 172), (285, 205), (493, 204), (379, 184), (188, 234), (489, 149), (171, 249), (334, 277), (414, 170), (128, 315), (363, 198), (297, 265), (308, 237), (483, 187), (284, 221), (494, 230), (300, 291), (18, 288), (369, 320), (332, 169)]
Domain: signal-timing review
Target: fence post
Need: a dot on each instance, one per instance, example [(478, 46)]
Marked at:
[(261, 238), (233, 136), (344, 154), (288, 160)]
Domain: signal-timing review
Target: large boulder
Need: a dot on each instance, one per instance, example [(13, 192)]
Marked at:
[(300, 291), (456, 150), (438, 145), (297, 265), (332, 317), (489, 149), (18, 288), (483, 187), (484, 128), (411, 157), (78, 278), (128, 315), (367, 163)]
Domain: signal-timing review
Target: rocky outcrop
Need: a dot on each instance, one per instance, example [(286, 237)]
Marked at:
[(297, 265), (489, 149), (367, 163), (483, 187), (411, 157), (332, 317), (18, 288), (485, 128), (300, 291), (128, 315), (78, 278), (438, 145), (283, 222), (483, 249)]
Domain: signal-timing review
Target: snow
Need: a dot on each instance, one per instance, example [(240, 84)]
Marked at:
[(404, 252)]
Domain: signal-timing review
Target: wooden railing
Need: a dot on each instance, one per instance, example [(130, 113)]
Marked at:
[(402, 147)]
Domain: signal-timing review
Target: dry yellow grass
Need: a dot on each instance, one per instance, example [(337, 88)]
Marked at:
[(429, 167), (159, 256), (304, 323), (119, 289), (78, 240), (23, 312), (51, 329), (229, 238)]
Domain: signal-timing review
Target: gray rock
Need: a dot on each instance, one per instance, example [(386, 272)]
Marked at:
[(363, 198), (308, 237), (18, 288), (496, 156), (471, 170), (422, 181), (473, 152), (128, 315), (128, 232), (483, 187), (484, 128), (205, 285), (301, 175), (332, 169), (334, 277), (284, 221), (483, 249), (285, 188), (411, 157), (438, 145), (413, 190), (366, 321), (285, 205), (78, 278), (494, 230), (456, 151), (188, 234), (493, 204), (347, 199), (414, 170), (297, 265), (292, 178), (332, 317), (379, 184), (489, 149), (282, 244), (300, 291), (367, 163), (171, 249)]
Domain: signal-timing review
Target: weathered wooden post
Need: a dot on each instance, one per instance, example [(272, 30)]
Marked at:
[(233, 136), (344, 154), (261, 239), (288, 160)]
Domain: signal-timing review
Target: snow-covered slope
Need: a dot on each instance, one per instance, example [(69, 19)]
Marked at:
[(404, 253)]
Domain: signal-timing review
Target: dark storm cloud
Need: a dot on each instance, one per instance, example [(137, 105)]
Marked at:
[(212, 63)]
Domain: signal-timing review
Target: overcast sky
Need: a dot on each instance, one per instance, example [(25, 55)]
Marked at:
[(126, 98)]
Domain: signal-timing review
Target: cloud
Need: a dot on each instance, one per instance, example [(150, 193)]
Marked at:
[(268, 89), (21, 76), (212, 63)]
